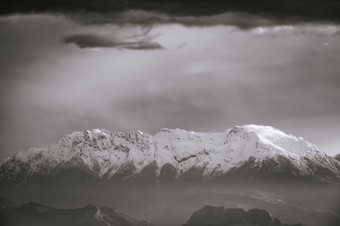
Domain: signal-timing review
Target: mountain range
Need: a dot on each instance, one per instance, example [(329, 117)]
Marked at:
[(165, 177), (35, 214), (249, 152)]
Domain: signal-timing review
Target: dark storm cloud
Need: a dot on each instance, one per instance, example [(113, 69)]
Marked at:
[(279, 10), (148, 19), (96, 41), (90, 41), (143, 46)]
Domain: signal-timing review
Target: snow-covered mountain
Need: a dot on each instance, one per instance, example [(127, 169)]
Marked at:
[(171, 155)]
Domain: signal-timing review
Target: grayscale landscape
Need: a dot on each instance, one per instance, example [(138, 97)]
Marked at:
[(170, 113)]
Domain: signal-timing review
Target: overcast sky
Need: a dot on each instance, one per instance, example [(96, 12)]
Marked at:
[(141, 69)]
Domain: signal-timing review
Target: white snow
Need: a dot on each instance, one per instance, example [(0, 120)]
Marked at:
[(105, 152)]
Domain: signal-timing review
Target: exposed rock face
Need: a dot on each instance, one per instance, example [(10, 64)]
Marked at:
[(176, 156), (219, 216), (337, 157)]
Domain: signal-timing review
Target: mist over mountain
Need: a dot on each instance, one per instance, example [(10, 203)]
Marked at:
[(35, 214)]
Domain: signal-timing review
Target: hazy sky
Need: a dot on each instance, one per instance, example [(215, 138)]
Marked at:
[(138, 69)]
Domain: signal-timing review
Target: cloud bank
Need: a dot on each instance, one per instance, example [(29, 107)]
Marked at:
[(294, 11), (285, 76), (148, 18)]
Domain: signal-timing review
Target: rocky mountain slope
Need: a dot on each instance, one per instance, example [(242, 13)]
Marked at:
[(250, 151), (337, 157)]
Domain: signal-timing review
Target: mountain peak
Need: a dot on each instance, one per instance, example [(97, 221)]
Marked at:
[(270, 138), (265, 131), (108, 154)]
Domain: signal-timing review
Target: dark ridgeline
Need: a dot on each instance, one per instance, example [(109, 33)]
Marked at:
[(34, 214), (220, 216)]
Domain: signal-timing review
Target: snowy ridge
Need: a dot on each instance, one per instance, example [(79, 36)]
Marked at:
[(106, 153), (268, 142)]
